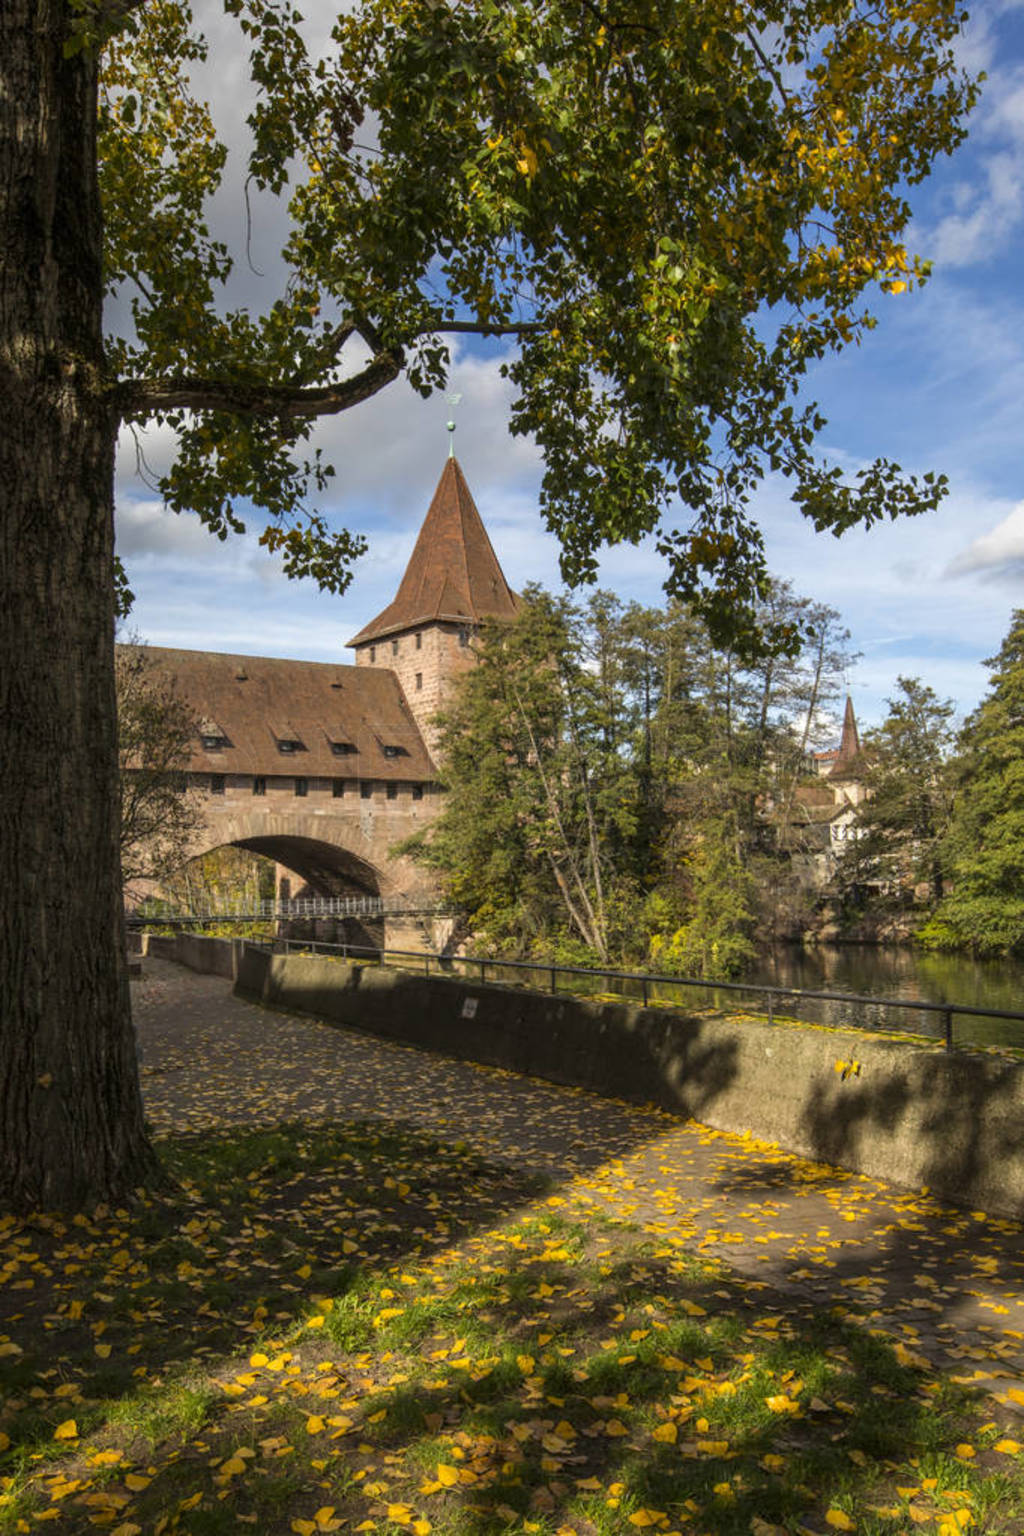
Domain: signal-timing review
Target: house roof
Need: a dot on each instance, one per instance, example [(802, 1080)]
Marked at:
[(453, 574), (256, 702)]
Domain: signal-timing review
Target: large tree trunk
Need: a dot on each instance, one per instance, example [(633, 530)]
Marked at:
[(71, 1126)]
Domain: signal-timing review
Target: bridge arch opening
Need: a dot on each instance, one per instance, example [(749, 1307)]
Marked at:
[(321, 869)]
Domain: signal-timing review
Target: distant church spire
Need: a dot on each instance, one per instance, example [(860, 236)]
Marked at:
[(849, 744)]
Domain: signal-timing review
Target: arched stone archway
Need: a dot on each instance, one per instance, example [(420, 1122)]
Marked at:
[(337, 854)]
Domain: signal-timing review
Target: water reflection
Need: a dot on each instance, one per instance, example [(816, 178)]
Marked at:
[(900, 972)]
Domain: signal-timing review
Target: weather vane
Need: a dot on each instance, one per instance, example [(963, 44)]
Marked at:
[(453, 401)]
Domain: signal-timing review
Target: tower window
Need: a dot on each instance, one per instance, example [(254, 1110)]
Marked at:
[(216, 783), (302, 786), (417, 791), (394, 647), (419, 642), (337, 788), (392, 791), (419, 682), (366, 789), (259, 785), (373, 653), (463, 635)]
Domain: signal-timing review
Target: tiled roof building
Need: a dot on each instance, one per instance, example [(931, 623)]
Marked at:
[(452, 582), (325, 767)]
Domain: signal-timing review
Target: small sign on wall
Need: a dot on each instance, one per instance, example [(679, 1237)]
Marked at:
[(469, 1007)]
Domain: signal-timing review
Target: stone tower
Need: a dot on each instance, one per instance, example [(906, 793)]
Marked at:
[(452, 582)]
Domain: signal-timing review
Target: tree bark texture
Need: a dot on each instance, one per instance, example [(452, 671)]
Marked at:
[(71, 1125)]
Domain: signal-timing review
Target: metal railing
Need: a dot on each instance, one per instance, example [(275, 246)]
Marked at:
[(282, 910), (641, 985)]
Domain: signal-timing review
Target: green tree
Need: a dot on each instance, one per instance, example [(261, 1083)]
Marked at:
[(901, 823), (155, 733), (984, 846), (530, 839), (674, 209)]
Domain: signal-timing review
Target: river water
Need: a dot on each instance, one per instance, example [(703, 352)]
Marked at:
[(876, 971)]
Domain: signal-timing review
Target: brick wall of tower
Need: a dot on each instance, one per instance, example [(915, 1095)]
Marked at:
[(427, 671)]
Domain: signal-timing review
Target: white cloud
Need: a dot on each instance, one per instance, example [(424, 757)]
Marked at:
[(993, 212), (997, 554)]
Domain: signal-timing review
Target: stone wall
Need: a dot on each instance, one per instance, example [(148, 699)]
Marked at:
[(910, 1114)]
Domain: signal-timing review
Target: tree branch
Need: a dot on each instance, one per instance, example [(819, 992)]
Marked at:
[(478, 328), (137, 397)]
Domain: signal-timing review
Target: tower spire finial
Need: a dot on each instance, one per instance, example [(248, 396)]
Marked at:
[(453, 401)]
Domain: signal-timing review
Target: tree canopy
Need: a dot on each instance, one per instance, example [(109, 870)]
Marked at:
[(622, 790), (674, 210), (983, 848)]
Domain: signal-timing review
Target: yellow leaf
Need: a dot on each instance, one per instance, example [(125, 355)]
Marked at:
[(643, 1517), (400, 1513), (1015, 1395), (102, 1350), (314, 1424), (965, 1452), (693, 1310), (315, 1322), (839, 1520), (232, 1467), (136, 1483), (305, 1272), (304, 1527), (325, 1518), (66, 1431), (447, 1476), (525, 1364), (1008, 1447), (667, 1433), (259, 1359), (422, 1527)]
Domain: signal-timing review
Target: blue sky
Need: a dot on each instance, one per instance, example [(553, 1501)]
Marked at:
[(938, 385)]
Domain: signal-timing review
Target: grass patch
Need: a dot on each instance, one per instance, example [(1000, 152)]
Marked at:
[(331, 1326)]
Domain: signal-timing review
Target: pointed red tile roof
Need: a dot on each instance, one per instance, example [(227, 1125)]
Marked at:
[(847, 759), (453, 573)]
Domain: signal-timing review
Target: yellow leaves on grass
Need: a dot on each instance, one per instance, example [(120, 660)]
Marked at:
[(839, 1520), (323, 1520), (66, 1431)]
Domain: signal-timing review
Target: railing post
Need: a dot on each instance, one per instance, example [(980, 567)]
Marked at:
[(771, 1007), (554, 984), (947, 1026), (643, 990)]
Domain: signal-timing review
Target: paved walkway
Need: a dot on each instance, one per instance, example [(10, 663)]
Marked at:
[(947, 1283)]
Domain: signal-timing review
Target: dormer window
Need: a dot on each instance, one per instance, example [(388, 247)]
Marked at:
[(344, 748), (212, 736), (392, 751), (287, 737)]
